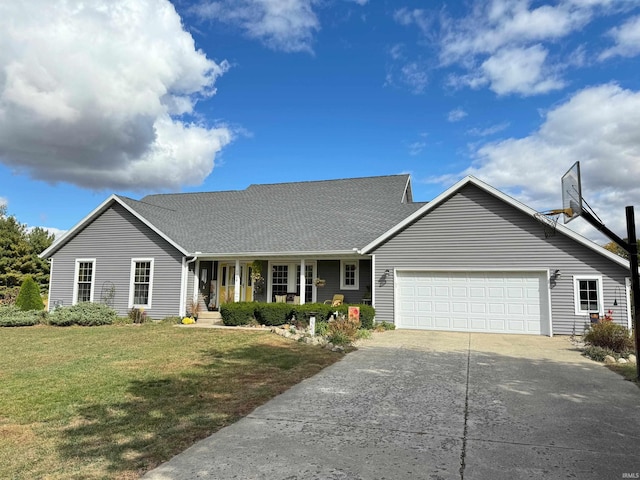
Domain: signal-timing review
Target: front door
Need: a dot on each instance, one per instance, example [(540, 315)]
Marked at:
[(226, 282)]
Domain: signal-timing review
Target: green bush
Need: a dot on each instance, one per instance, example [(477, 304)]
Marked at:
[(367, 313), (363, 333), (598, 353), (29, 296), (322, 328), (273, 313), (384, 326), (324, 312), (12, 316), (303, 312), (85, 314), (234, 314), (609, 335)]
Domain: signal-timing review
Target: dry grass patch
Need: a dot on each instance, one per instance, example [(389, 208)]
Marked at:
[(113, 402)]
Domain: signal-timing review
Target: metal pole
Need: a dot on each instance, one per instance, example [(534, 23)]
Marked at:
[(635, 281)]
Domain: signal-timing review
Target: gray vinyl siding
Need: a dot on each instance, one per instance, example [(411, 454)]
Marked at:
[(113, 239), (474, 230), (330, 271)]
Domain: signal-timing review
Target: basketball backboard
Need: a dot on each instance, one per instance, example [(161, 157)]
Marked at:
[(572, 193)]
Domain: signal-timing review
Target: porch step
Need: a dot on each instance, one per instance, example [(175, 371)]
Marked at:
[(209, 318)]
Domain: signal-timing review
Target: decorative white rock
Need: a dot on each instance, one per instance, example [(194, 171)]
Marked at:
[(609, 359)]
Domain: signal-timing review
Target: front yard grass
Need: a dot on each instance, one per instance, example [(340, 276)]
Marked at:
[(116, 401)]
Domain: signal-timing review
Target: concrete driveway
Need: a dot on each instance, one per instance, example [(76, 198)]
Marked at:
[(435, 405)]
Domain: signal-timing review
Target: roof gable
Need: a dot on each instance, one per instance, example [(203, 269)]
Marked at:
[(126, 203), (470, 180)]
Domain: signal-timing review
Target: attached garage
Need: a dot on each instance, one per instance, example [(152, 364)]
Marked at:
[(464, 301)]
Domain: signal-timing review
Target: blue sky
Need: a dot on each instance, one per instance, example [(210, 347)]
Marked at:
[(147, 96)]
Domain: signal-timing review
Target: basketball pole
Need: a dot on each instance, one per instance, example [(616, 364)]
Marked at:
[(631, 246), (635, 281)]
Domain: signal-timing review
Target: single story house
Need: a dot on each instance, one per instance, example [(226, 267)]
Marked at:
[(472, 259)]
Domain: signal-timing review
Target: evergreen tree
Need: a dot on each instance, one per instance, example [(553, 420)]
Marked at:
[(19, 251), (29, 297)]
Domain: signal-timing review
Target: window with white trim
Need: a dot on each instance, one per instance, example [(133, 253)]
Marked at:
[(279, 280), (141, 282), (588, 294), (349, 279), (84, 280)]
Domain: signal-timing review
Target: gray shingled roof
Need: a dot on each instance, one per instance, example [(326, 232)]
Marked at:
[(319, 216)]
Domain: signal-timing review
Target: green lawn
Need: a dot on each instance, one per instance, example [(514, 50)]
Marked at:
[(113, 402)]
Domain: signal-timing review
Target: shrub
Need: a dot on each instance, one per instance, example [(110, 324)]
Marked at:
[(609, 335), (12, 316), (273, 313), (240, 313), (384, 326), (343, 330), (363, 333), (29, 296), (367, 313), (322, 328), (598, 353), (303, 312), (85, 314)]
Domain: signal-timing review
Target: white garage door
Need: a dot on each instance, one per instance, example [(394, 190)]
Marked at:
[(498, 302)]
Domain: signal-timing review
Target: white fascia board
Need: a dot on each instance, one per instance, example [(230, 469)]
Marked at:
[(260, 255), (505, 198), (96, 212)]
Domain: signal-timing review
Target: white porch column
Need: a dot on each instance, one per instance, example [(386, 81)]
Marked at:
[(303, 283), (236, 283)]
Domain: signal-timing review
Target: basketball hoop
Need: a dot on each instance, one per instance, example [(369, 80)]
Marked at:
[(549, 221)]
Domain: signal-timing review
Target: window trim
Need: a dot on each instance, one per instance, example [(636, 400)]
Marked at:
[(76, 271), (292, 278), (576, 293), (343, 265), (132, 279)]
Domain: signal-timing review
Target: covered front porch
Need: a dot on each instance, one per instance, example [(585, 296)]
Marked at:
[(214, 281)]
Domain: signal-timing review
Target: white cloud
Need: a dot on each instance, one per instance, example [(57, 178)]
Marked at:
[(504, 44), (360, 2), (597, 126), (627, 39), (421, 18), (456, 115), (492, 130), (3, 202), (519, 70), (415, 77), (416, 147), (94, 94), (499, 23), (286, 25)]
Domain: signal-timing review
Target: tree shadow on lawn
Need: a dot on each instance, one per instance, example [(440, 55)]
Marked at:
[(162, 416)]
